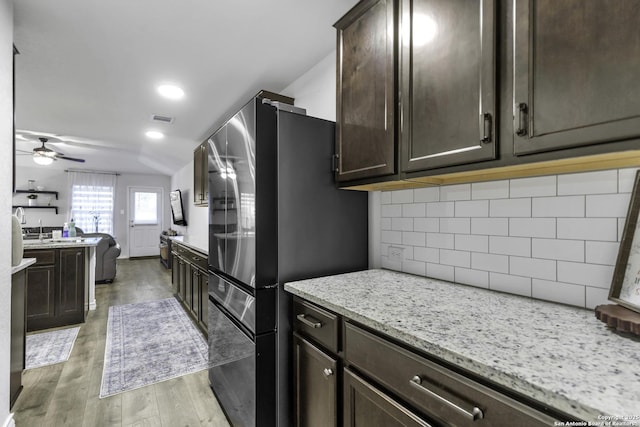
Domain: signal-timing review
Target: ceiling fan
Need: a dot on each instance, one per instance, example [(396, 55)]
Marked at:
[(44, 155)]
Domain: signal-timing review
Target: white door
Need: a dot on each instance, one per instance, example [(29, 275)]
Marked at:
[(145, 221)]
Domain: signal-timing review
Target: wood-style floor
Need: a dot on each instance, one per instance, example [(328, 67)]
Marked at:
[(66, 394)]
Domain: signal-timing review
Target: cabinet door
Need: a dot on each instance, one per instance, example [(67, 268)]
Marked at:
[(576, 71), (188, 285), (175, 272), (200, 193), (195, 291), (366, 91), (366, 406), (316, 386), (447, 72), (203, 318), (71, 283), (40, 296)]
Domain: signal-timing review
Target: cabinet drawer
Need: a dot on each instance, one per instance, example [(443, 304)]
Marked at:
[(437, 391), (316, 323), (43, 257), (197, 259)]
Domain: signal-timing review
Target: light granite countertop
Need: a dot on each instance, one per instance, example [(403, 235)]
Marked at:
[(191, 242), (26, 262), (558, 355), (67, 242)]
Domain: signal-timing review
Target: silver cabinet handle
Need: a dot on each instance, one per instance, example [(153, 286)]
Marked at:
[(486, 128), (310, 321), (475, 414), (327, 372), (522, 119)]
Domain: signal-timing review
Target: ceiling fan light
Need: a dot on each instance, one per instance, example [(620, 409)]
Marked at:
[(43, 160)]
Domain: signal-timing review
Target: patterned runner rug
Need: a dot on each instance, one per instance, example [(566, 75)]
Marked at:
[(49, 348), (150, 342)]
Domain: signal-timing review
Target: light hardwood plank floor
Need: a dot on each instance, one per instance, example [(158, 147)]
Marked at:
[(66, 394)]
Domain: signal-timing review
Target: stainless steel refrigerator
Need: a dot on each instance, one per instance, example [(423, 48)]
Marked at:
[(275, 216)]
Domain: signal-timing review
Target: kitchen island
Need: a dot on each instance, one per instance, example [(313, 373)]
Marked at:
[(51, 271), (557, 355)]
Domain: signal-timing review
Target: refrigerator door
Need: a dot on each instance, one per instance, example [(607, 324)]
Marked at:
[(238, 303), (240, 257), (217, 159)]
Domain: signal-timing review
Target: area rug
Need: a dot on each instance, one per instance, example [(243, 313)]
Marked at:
[(150, 342), (49, 348)]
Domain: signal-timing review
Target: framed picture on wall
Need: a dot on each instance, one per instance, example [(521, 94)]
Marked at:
[(625, 286)]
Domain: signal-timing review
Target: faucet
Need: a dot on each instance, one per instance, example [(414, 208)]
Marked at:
[(40, 236), (20, 215)]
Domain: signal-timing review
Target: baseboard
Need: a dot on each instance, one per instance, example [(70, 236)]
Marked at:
[(9, 422), (93, 305)]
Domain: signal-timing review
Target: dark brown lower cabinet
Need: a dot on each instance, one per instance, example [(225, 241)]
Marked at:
[(55, 288), (366, 406), (18, 329), (190, 280), (316, 385)]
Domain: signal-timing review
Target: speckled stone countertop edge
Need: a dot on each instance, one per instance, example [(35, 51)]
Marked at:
[(26, 262), (87, 242), (506, 379)]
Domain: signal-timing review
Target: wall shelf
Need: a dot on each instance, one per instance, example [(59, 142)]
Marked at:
[(35, 207), (55, 193)]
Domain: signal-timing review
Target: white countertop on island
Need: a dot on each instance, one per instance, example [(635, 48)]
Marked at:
[(559, 355), (65, 242)]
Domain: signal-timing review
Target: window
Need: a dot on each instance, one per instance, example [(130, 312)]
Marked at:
[(146, 208), (92, 201)]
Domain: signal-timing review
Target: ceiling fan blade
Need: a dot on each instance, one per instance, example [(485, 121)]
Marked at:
[(24, 152), (73, 159)]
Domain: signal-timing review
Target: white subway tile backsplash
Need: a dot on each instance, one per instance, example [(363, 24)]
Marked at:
[(455, 192), (439, 271), (391, 211), (533, 267), (565, 250), (440, 240), (385, 197), (413, 238), (490, 226), (479, 279), (440, 209), (608, 205), (475, 208), (532, 227), (455, 225), (550, 237), (600, 182), (588, 228), (598, 276), (596, 296), (490, 262), (401, 224), (505, 208), (557, 207), (431, 225), (429, 194), (512, 284), (490, 190), (565, 293), (533, 187), (519, 246), (413, 210), (604, 253), (390, 237), (464, 242), (402, 196), (455, 258), (414, 267), (626, 178), (431, 255)]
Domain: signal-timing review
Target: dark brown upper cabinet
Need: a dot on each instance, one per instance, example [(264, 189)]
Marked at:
[(447, 81), (576, 73), (366, 91), (200, 176)]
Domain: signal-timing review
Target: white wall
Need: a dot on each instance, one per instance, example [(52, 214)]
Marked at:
[(56, 180), (6, 167), (197, 228)]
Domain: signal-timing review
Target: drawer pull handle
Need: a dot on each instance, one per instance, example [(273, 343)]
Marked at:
[(327, 372), (309, 321), (475, 414)]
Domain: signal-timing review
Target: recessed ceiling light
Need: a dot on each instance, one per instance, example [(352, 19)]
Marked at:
[(170, 91), (154, 134)]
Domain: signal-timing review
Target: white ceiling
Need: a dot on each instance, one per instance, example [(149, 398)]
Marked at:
[(87, 71)]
